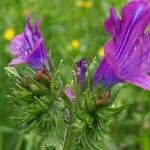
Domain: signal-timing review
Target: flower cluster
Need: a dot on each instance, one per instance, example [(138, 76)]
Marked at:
[(28, 47)]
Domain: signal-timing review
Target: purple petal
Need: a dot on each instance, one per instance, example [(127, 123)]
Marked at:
[(36, 33), (145, 65), (110, 53), (17, 61), (135, 19), (137, 0), (133, 24), (142, 81), (105, 73), (38, 59), (19, 45), (138, 60), (127, 54), (112, 24), (28, 32), (100, 72)]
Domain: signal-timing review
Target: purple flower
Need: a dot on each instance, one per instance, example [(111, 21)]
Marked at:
[(127, 54), (28, 47), (69, 93), (81, 69)]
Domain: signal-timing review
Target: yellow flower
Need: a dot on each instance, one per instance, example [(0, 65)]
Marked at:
[(83, 4), (9, 34), (74, 44), (26, 12), (101, 52)]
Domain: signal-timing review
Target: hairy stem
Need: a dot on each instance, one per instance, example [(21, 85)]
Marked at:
[(69, 139), (69, 135)]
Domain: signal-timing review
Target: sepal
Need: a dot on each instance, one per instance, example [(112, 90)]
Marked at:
[(39, 106)]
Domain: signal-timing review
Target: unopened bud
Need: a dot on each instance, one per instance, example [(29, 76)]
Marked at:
[(42, 75), (69, 93), (103, 99)]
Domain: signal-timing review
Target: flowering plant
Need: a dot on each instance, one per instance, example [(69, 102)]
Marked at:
[(78, 115)]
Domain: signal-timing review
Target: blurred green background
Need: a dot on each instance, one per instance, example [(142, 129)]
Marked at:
[(71, 29)]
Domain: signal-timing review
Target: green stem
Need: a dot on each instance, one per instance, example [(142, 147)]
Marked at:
[(69, 139), (70, 135)]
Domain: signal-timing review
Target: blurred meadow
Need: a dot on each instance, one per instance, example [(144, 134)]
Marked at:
[(71, 29)]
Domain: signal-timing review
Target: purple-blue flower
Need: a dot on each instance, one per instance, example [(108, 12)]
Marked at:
[(28, 47), (127, 54), (81, 69)]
